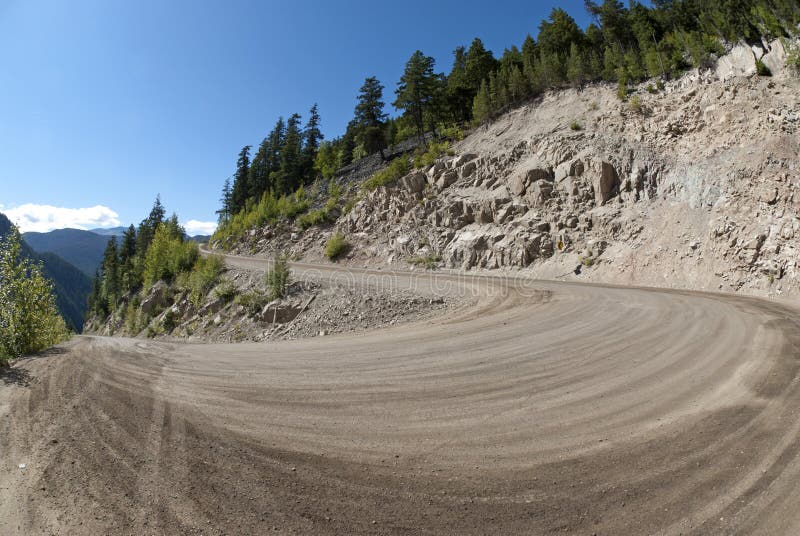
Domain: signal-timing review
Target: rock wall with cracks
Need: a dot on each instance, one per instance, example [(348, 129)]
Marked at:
[(693, 186)]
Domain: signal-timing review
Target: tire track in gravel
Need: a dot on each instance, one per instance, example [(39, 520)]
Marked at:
[(542, 407)]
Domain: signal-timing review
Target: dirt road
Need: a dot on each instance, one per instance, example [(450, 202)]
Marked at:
[(544, 408)]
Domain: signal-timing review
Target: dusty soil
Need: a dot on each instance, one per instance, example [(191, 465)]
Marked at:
[(542, 408)]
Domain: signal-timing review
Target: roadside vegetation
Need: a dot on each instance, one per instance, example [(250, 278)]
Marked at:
[(29, 319), (336, 246), (156, 250)]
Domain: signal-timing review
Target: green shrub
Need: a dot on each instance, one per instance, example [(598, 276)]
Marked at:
[(278, 278), (395, 170), (252, 301), (170, 320), (636, 105), (434, 151), (29, 318), (311, 218), (651, 89), (793, 58), (576, 126), (429, 262), (451, 132), (226, 290), (203, 277), (268, 210), (167, 256), (336, 246)]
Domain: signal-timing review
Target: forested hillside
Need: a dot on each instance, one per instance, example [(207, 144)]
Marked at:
[(622, 45), (72, 286), (82, 249)]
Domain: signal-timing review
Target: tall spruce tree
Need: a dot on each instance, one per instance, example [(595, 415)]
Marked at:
[(241, 180), (417, 89)]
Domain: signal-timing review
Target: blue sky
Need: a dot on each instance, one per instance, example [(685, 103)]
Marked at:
[(106, 103)]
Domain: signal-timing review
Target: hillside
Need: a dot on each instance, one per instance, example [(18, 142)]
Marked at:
[(692, 186), (82, 249), (72, 286)]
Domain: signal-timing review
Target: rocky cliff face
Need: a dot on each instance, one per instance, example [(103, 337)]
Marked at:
[(693, 186)]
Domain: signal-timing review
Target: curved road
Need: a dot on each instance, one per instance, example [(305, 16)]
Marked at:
[(543, 407)]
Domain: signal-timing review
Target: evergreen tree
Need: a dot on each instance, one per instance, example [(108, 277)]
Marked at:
[(416, 89), (312, 138), (458, 93), (479, 63), (241, 184), (289, 175), (482, 105), (127, 259), (226, 201), (369, 107), (259, 181), (111, 274)]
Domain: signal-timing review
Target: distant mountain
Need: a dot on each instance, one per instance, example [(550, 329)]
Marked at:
[(111, 231), (199, 238), (72, 286), (82, 249)]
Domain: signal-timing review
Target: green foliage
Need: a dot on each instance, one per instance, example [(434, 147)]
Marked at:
[(398, 168), (253, 301), (226, 290), (268, 210), (336, 246), (168, 256), (636, 105), (29, 318), (417, 89), (576, 126), (793, 58), (203, 277), (278, 278), (450, 132), (434, 151), (762, 69), (429, 262)]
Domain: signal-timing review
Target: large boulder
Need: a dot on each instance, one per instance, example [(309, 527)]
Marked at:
[(414, 183), (605, 183), (156, 298), (740, 61), (775, 58), (521, 180)]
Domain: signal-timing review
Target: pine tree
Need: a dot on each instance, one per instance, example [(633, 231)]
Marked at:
[(226, 201), (458, 93), (479, 63), (416, 89), (369, 108), (482, 105), (127, 258), (312, 137), (241, 185), (288, 178), (111, 274), (259, 171)]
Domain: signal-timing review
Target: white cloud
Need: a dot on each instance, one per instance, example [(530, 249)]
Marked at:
[(195, 227), (43, 218)]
